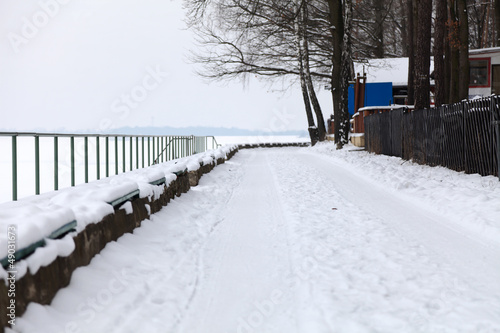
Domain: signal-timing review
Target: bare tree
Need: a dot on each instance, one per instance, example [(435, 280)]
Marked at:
[(274, 38), (439, 35), (423, 55), (463, 89)]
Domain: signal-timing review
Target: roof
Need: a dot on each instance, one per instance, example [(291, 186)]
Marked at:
[(393, 70), (485, 51)]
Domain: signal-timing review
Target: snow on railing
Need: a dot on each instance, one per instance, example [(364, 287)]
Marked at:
[(128, 151)]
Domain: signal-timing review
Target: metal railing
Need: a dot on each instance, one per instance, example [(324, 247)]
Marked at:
[(463, 136), (123, 152)]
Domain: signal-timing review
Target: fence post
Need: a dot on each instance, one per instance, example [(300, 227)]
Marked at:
[(137, 152), (107, 156), (131, 154), (124, 154), (14, 167), (86, 147), (498, 146), (116, 155), (496, 122), (464, 116), (98, 158), (56, 164), (37, 164), (72, 148)]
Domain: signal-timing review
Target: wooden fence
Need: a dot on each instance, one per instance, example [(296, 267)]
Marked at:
[(463, 136)]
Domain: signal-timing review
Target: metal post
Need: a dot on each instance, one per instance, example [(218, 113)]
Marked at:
[(56, 164), (124, 162), (72, 152), (157, 149), (107, 156), (116, 155), (149, 151), (161, 152), (98, 158), (153, 139), (142, 152), (37, 164), (14, 167), (137, 152), (131, 154), (86, 152)]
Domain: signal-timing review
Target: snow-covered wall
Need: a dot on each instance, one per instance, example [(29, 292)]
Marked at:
[(98, 212)]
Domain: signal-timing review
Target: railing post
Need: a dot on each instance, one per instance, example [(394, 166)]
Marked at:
[(137, 152), (56, 163), (86, 152), (149, 151), (161, 151), (124, 162), (107, 156), (98, 158), (116, 155), (72, 153), (131, 154), (153, 151), (37, 164), (142, 139), (14, 167)]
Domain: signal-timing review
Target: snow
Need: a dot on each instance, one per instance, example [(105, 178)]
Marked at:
[(388, 107), (37, 217), (299, 240)]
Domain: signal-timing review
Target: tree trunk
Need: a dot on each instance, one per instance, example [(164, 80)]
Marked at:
[(463, 89), (454, 42), (411, 51), (313, 130), (439, 33), (404, 28), (497, 22), (337, 30), (308, 78), (423, 55), (347, 73)]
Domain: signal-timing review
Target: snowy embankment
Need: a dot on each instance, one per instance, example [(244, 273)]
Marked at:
[(37, 219), (298, 240), (471, 202)]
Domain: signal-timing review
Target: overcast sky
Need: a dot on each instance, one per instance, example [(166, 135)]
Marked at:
[(98, 64)]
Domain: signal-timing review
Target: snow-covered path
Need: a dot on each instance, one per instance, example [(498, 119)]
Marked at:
[(287, 240)]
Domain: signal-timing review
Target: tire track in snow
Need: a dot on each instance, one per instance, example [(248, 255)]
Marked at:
[(246, 262)]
